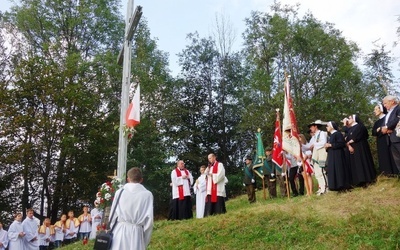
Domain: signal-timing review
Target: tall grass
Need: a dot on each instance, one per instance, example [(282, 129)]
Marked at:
[(366, 218)]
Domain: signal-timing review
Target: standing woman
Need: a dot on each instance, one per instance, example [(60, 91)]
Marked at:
[(338, 177), (361, 163), (385, 157)]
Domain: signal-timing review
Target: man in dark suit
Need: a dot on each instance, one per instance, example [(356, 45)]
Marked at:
[(392, 118)]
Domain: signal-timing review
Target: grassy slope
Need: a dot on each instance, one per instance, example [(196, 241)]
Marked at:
[(362, 219)]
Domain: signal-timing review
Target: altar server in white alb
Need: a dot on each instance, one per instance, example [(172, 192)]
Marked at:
[(30, 226), (3, 237), (97, 215), (72, 227), (181, 180), (45, 234), (16, 233), (215, 200), (133, 214), (200, 190), (85, 221)]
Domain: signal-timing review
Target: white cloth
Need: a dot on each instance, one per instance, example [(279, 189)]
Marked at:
[(320, 138), (97, 215), (178, 181), (14, 241), (85, 226), (30, 227), (199, 189), (3, 239), (218, 178), (59, 233), (44, 239), (319, 156), (71, 229), (135, 217)]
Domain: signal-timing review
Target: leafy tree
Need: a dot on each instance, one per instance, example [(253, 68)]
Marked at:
[(326, 84), (60, 107), (379, 72), (204, 113)]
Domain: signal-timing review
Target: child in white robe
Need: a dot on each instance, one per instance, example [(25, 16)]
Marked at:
[(72, 227), (3, 237), (200, 189), (16, 234), (60, 230), (45, 234), (97, 215)]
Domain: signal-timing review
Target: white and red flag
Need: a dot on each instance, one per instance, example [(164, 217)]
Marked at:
[(290, 136), (132, 117), (277, 156)]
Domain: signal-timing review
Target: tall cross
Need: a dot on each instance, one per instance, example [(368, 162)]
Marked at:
[(124, 59)]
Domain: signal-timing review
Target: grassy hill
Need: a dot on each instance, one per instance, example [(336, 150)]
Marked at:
[(366, 218)]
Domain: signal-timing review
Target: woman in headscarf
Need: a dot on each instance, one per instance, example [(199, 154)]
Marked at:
[(361, 162), (339, 173), (385, 157)]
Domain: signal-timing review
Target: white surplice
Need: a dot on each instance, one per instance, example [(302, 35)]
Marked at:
[(14, 241), (3, 239), (44, 238), (95, 221), (135, 217), (200, 189), (31, 227), (180, 181)]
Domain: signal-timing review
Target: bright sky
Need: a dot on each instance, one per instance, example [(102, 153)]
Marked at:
[(361, 21)]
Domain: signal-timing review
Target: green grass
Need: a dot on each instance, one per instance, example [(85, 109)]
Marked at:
[(366, 218)]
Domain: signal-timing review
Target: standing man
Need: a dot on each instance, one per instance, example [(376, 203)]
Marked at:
[(134, 213), (215, 200), (30, 227), (270, 173), (317, 145), (248, 180), (181, 180), (391, 120)]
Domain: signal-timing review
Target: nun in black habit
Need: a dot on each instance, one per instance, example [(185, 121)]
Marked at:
[(338, 169), (361, 164)]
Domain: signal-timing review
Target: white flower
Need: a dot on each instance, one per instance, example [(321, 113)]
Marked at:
[(105, 187), (116, 180), (107, 196)]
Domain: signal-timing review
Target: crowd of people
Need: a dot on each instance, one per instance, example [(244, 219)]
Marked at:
[(29, 234), (209, 189), (132, 227), (338, 159)]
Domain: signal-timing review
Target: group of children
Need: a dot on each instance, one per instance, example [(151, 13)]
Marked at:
[(29, 234)]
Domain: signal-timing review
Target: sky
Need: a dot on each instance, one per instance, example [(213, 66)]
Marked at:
[(361, 21)]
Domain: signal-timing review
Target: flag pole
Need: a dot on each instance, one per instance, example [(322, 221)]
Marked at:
[(263, 182), (286, 176)]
